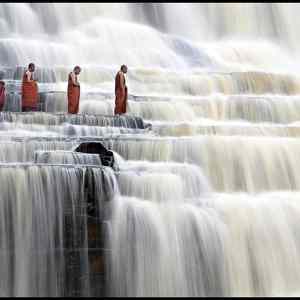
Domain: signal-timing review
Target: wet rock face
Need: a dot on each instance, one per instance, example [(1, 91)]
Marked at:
[(45, 118), (85, 236)]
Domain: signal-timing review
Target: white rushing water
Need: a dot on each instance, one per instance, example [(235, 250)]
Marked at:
[(206, 203)]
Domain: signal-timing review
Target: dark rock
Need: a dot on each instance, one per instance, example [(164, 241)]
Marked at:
[(106, 156)]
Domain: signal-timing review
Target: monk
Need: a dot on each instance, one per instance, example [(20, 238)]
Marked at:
[(121, 91), (73, 91), (29, 90), (2, 94)]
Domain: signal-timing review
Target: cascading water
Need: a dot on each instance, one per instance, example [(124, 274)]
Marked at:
[(41, 205), (204, 204)]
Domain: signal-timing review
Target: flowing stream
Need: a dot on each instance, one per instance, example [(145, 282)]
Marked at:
[(205, 201)]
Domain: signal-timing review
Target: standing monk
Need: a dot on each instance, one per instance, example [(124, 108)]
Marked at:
[(2, 94), (121, 91), (29, 90), (73, 91)]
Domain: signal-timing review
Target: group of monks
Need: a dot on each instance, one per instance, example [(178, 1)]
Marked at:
[(30, 91)]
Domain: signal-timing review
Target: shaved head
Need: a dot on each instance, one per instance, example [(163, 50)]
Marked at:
[(77, 70), (124, 68), (31, 67)]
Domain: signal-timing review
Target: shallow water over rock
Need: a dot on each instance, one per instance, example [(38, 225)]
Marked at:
[(203, 196)]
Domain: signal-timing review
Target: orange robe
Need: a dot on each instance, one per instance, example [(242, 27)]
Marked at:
[(2, 95), (29, 93), (73, 96), (121, 95)]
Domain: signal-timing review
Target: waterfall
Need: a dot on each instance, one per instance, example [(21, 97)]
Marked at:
[(66, 157), (207, 250), (203, 198), (44, 241)]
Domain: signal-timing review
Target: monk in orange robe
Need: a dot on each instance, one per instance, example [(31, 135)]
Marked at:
[(121, 91), (73, 91), (2, 94), (29, 90)]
